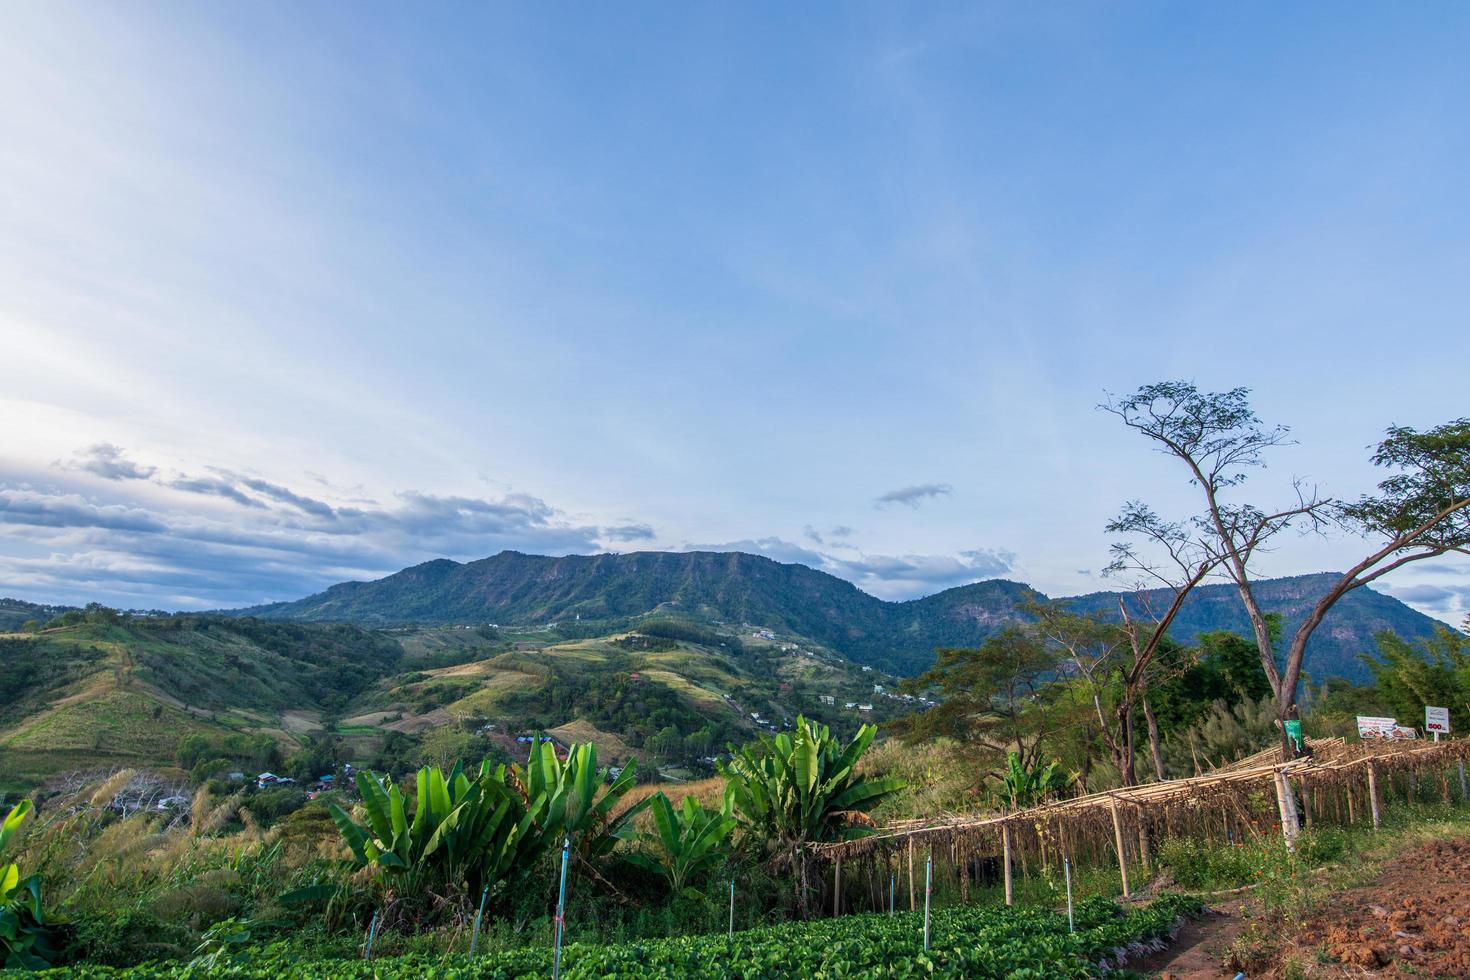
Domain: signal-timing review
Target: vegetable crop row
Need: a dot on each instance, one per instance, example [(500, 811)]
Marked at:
[(989, 942)]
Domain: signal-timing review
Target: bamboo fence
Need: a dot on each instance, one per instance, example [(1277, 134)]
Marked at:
[(1262, 795)]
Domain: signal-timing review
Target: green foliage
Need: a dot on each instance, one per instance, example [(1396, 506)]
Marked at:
[(688, 632), (1000, 692), (17, 614), (639, 710), (488, 831), (24, 936), (252, 753), (271, 804), (687, 842), (1432, 481), (1435, 671), (1206, 865), (1224, 734), (793, 790), (464, 833), (222, 946), (1221, 666), (803, 786), (1021, 787), (448, 744), (985, 943)]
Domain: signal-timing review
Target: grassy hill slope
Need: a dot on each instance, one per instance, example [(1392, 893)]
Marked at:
[(115, 691), (109, 691)]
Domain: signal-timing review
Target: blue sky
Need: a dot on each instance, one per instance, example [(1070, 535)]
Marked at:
[(293, 293)]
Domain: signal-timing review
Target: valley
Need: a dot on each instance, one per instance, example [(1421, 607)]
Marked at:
[(668, 657), (107, 691)]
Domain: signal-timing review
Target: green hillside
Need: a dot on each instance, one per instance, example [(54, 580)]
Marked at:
[(604, 592), (106, 691), (15, 613)]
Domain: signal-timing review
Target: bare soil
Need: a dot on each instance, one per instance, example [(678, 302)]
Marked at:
[(1413, 920), (1200, 948)]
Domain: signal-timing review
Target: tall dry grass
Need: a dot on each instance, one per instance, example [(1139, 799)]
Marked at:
[(147, 882)]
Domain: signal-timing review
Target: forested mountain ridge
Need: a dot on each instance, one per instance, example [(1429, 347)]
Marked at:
[(517, 589)]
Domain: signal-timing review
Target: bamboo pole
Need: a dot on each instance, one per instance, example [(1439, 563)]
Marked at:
[(1117, 840), (913, 900), (1464, 785), (1286, 804), (1373, 796), (1005, 840), (837, 887)]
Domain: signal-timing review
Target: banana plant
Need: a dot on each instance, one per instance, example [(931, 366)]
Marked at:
[(491, 829), (687, 843), (1021, 787), (470, 831), (24, 936), (801, 788), (580, 802)]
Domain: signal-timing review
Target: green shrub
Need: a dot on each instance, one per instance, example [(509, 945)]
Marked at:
[(1207, 865), (270, 805), (25, 939)]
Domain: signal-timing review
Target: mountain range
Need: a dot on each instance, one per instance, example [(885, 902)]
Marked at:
[(600, 592)]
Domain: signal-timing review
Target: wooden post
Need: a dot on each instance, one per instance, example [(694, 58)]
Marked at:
[(1005, 841), (1145, 854), (1286, 803), (1348, 792), (1118, 841), (837, 887), (965, 875), (1307, 800), (1373, 796), (1464, 786), (913, 899)]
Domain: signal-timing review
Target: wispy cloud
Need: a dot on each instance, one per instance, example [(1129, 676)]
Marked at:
[(915, 495), (31, 508), (885, 576), (283, 495), (1438, 600), (211, 486), (120, 532), (108, 461)]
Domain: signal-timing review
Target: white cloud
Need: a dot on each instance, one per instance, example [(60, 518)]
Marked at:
[(120, 532)]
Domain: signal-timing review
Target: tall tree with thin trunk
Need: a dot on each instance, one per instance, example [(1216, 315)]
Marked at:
[(1113, 660), (1423, 511)]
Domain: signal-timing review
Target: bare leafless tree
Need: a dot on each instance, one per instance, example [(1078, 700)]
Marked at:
[(1421, 512)]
